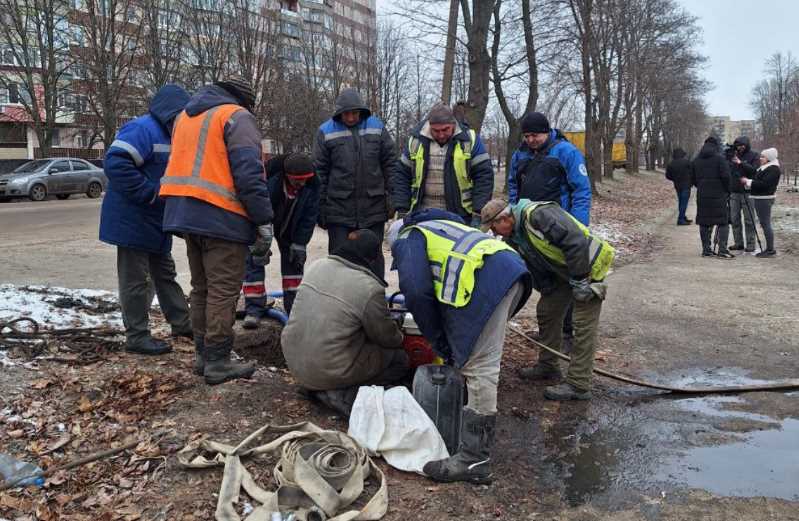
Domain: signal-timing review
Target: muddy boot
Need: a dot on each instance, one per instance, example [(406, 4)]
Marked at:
[(565, 391), (148, 346), (199, 356), (540, 372), (250, 322), (219, 368), (340, 400), (472, 462)]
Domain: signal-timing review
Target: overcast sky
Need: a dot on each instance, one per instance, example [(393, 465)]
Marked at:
[(739, 35)]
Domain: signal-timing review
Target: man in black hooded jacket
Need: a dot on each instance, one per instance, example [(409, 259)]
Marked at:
[(679, 173), (745, 166), (710, 174), (353, 156)]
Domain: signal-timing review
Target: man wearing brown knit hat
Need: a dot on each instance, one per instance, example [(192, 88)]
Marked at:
[(443, 166)]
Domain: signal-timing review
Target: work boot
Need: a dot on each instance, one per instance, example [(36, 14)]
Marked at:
[(199, 355), (340, 400), (766, 253), (565, 391), (750, 250), (725, 255), (708, 253), (148, 346), (219, 368), (472, 462), (736, 247), (540, 372), (251, 322)]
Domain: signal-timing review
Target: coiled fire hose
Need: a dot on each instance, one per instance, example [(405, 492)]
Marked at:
[(779, 386), (320, 474)]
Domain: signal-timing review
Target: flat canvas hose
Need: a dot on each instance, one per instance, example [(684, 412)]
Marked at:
[(781, 386)]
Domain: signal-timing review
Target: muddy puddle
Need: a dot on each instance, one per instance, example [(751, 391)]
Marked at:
[(624, 447)]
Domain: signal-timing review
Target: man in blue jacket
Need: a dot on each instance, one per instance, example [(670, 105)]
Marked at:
[(131, 220), (461, 286), (294, 193), (546, 167)]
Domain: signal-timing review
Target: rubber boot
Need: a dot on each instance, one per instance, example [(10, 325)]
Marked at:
[(472, 462), (199, 355), (219, 368)]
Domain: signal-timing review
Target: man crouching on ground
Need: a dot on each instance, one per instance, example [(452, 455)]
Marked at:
[(340, 335)]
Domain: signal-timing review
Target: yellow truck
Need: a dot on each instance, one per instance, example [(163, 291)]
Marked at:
[(619, 153)]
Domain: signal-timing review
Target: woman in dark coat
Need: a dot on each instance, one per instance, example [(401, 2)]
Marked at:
[(763, 189), (711, 176)]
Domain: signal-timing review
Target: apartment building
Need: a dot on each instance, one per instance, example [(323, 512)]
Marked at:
[(726, 129), (347, 25)]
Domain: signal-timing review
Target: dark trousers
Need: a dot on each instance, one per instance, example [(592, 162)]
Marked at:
[(683, 196), (706, 235), (139, 272), (336, 235), (217, 269), (255, 283), (763, 209)]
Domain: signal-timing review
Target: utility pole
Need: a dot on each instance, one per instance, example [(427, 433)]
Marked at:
[(449, 57)]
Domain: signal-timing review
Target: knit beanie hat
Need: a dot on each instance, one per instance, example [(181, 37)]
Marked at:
[(535, 123), (241, 88), (771, 154), (298, 166), (440, 114)]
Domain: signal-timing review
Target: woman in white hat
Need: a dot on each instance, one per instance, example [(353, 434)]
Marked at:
[(763, 187)]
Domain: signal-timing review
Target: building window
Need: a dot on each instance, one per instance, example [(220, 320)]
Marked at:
[(56, 141), (7, 55)]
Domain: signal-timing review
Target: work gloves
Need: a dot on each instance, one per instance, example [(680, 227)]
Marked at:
[(260, 250), (581, 289), (297, 255)]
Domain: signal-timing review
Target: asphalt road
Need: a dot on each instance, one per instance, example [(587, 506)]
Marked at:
[(56, 243)]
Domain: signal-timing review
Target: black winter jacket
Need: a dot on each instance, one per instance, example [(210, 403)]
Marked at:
[(750, 161), (353, 165), (711, 176), (679, 170), (766, 181)]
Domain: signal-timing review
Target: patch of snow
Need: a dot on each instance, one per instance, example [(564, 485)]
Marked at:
[(612, 233), (40, 304)]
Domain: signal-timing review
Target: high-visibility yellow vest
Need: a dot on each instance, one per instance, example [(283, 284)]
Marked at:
[(455, 252), (600, 252), (460, 163)]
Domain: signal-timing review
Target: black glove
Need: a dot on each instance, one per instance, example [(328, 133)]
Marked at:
[(581, 289), (297, 255), (263, 243)]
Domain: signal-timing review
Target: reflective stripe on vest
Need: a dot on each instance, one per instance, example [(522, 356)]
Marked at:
[(600, 253), (460, 163), (455, 252), (198, 165)]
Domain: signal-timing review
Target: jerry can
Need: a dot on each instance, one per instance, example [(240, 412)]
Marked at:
[(439, 389)]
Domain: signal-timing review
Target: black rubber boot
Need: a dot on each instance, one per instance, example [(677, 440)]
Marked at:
[(199, 356), (472, 462), (540, 372), (219, 368), (149, 346)]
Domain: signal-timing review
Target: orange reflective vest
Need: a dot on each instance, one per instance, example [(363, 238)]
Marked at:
[(198, 164)]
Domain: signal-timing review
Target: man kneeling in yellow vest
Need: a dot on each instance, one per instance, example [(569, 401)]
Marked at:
[(567, 263)]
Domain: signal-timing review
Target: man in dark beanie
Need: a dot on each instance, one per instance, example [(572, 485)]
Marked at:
[(353, 155), (444, 166), (546, 167), (341, 335), (294, 193), (217, 200)]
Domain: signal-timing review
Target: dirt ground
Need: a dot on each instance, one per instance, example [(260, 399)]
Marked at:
[(629, 454)]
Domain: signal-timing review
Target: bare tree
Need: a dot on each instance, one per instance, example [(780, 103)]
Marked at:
[(111, 33), (37, 39), (163, 41), (208, 46)]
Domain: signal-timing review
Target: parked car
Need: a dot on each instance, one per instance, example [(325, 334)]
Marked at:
[(59, 176)]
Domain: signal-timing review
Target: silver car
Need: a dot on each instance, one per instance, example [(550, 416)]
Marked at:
[(59, 176)]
